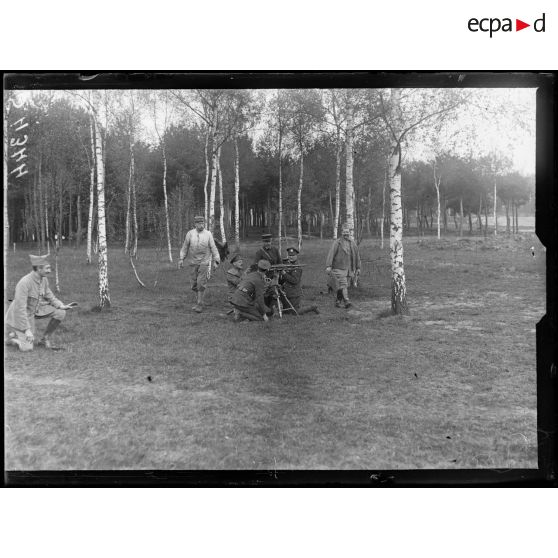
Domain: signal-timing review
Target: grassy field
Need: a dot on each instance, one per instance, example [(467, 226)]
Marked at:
[(450, 386)]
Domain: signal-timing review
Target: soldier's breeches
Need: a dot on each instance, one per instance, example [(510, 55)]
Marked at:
[(198, 277)]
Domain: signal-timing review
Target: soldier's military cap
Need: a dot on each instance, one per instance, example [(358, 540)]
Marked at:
[(38, 260), (266, 236), (292, 250), (235, 257), (264, 265), (199, 219)]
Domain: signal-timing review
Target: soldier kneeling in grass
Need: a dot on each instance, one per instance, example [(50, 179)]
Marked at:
[(34, 300), (248, 298)]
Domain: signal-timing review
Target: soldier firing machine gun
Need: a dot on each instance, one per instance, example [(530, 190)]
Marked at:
[(274, 288)]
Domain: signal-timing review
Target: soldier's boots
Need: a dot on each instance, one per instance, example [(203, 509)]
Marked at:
[(339, 299)]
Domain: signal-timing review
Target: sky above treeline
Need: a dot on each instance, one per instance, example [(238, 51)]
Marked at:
[(476, 130)]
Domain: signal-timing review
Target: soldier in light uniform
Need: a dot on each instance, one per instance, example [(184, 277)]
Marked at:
[(291, 282), (199, 247), (343, 264), (248, 298), (34, 300)]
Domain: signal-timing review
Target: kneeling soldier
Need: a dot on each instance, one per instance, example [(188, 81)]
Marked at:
[(34, 300), (247, 299), (291, 281), (234, 274)]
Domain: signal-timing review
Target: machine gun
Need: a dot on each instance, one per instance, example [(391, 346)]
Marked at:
[(285, 267), (275, 291)]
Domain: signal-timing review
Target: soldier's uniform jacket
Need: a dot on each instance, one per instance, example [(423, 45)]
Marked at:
[(272, 256), (199, 247), (31, 293), (344, 255), (249, 292), (234, 276), (292, 283)]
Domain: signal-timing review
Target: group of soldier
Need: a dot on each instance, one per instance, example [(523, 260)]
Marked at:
[(271, 283)]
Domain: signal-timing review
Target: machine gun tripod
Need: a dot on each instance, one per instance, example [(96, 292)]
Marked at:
[(276, 293)]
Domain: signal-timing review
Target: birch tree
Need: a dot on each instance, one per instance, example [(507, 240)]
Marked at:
[(334, 117), (166, 112), (280, 120), (93, 163), (93, 105), (402, 112), (306, 110), (226, 114)]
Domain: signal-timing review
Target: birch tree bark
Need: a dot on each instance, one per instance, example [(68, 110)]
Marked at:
[(461, 216), (91, 189), (299, 197), (495, 213), (337, 185), (385, 185), (206, 182), (398, 286), (236, 196), (211, 209), (221, 200), (349, 190), (165, 197), (280, 155), (104, 293), (128, 239), (437, 180)]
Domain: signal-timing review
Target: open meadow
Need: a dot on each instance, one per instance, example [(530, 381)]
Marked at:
[(153, 385)]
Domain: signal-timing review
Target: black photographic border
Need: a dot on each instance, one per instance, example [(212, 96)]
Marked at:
[(546, 229)]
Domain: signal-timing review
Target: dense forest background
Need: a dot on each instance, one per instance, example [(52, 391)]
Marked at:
[(49, 188)]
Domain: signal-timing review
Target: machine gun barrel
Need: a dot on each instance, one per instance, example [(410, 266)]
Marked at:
[(283, 267)]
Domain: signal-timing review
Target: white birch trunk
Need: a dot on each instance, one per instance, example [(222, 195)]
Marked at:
[(495, 214), (398, 287), (236, 196), (437, 180), (91, 191), (211, 209), (349, 190), (299, 198), (56, 276), (206, 182), (221, 201), (460, 216), (280, 188), (104, 295), (128, 240), (47, 233), (337, 187), (165, 197), (386, 182)]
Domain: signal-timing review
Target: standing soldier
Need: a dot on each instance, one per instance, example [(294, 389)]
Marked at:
[(291, 281), (248, 298), (271, 254), (343, 264), (199, 247), (34, 300), (267, 252)]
